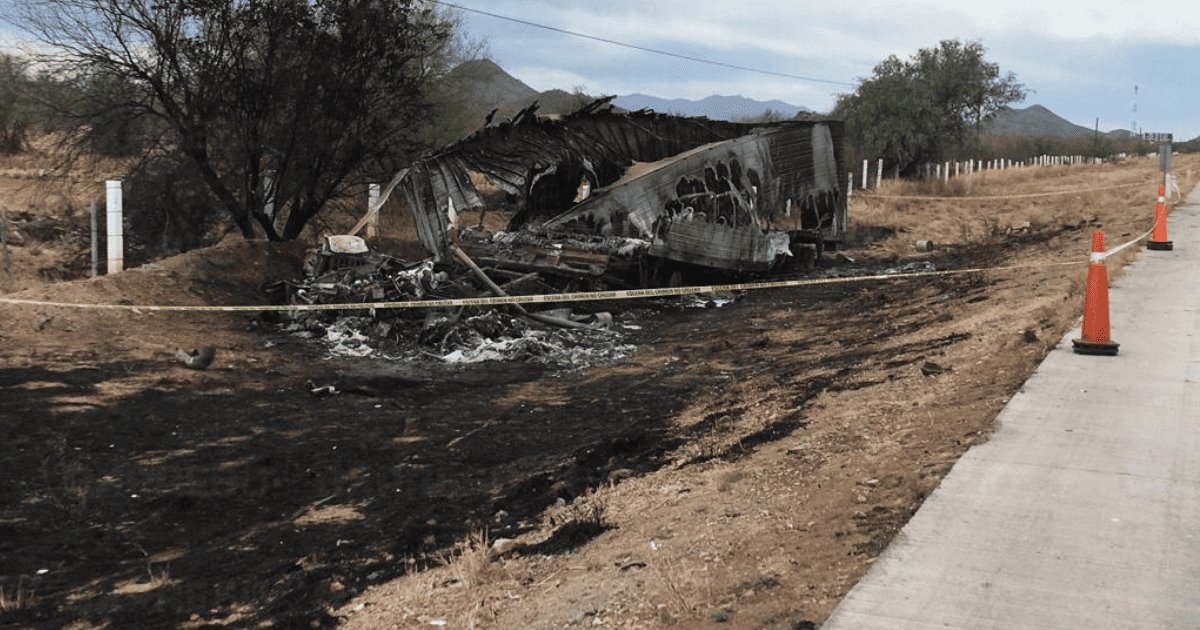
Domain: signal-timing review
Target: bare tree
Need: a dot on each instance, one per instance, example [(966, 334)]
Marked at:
[(285, 100)]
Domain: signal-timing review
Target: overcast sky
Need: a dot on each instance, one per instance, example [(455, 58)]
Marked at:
[(1080, 59)]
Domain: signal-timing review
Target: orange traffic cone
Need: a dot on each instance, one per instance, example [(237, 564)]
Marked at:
[(1095, 305), (1158, 239)]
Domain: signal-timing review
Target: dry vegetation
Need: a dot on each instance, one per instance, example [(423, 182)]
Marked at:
[(743, 469)]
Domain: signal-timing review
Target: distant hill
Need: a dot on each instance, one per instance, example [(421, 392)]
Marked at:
[(1034, 120), (715, 107), (488, 84)]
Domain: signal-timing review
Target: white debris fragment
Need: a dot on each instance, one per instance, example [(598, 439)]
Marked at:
[(345, 340), (501, 546), (346, 244)]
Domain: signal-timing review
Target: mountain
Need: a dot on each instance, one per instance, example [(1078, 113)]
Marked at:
[(1034, 120), (487, 84), (715, 107)]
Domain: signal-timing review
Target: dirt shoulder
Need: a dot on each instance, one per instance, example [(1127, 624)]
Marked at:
[(742, 469)]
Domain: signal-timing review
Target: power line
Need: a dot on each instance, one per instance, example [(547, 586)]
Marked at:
[(636, 47)]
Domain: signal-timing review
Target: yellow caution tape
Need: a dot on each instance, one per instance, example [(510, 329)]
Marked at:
[(583, 296), (545, 298)]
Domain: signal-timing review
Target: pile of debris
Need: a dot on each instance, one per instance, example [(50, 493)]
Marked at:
[(346, 271), (597, 199)]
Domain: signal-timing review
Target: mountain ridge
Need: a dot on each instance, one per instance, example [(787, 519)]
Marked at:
[(491, 87), (715, 106)]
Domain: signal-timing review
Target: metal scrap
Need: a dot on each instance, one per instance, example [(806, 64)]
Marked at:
[(460, 335)]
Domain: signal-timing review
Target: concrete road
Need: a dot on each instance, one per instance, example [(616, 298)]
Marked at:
[(1083, 510)]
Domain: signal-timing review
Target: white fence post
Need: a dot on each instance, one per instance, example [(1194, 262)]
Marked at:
[(372, 210), (863, 185), (879, 173), (115, 244), (849, 185)]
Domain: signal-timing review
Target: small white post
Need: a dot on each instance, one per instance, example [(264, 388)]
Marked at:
[(946, 172), (372, 210), (938, 171), (863, 183), (115, 244), (879, 173), (849, 185)]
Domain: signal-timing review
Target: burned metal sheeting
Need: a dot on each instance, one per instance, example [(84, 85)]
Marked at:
[(734, 192), (735, 205)]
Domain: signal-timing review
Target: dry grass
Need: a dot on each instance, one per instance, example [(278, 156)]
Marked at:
[(470, 561), (687, 588), (587, 511), (19, 598), (962, 217)]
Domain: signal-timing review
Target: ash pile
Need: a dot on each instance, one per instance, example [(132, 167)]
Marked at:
[(345, 271)]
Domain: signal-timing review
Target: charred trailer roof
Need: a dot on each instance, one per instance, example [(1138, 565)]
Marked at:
[(714, 193)]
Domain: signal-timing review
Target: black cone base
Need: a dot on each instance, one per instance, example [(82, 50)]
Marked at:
[(1103, 349), (1161, 246)]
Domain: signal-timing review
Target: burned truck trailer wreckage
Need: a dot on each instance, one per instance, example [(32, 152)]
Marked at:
[(595, 199), (599, 193)]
